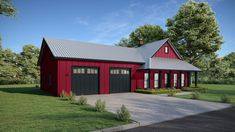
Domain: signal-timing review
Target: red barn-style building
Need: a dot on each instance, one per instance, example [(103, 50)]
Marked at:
[(86, 68)]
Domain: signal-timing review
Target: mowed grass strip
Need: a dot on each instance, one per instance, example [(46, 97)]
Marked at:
[(215, 92), (26, 108)]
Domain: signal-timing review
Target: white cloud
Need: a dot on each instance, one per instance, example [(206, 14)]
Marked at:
[(120, 23), (81, 21)]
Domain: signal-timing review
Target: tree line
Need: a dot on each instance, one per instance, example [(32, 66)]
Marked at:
[(19, 68), (193, 30)]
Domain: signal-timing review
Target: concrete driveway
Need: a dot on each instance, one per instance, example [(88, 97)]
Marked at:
[(149, 109)]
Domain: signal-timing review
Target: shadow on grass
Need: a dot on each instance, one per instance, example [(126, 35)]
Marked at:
[(23, 90)]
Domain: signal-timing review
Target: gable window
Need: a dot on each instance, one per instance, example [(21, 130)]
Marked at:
[(146, 80), (166, 49)]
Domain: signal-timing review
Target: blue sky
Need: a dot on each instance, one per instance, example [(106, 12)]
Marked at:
[(99, 21)]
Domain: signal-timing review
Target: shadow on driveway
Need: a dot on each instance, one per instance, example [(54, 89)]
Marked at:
[(215, 121)]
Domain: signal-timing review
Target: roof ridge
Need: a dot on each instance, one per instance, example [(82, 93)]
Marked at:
[(88, 43), (151, 43)]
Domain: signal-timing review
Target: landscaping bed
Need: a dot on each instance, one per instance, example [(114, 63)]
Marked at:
[(26, 108), (158, 91)]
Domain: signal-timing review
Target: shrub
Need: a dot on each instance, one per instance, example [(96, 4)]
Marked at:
[(82, 100), (62, 94), (100, 106), (71, 96), (123, 114), (171, 93), (157, 91), (36, 86), (225, 99), (195, 95)]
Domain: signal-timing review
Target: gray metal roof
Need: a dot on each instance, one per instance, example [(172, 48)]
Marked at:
[(148, 50), (83, 50), (168, 64)]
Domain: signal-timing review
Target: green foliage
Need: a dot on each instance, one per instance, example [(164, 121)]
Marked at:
[(171, 93), (195, 89), (100, 105), (194, 31), (82, 100), (63, 94), (157, 91), (195, 95), (148, 33), (6, 8), (71, 96), (225, 99), (19, 68), (123, 114), (218, 70)]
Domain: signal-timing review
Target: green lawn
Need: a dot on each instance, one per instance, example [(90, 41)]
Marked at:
[(26, 108), (215, 91)]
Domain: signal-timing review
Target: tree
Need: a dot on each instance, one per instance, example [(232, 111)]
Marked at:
[(10, 72), (194, 31), (148, 33), (6, 8), (0, 43), (28, 62)]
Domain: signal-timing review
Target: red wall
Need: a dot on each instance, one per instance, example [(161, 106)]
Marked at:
[(60, 71), (65, 71), (48, 67), (170, 54), (140, 76)]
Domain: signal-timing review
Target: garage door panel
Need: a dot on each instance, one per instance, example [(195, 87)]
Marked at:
[(119, 80), (85, 80)]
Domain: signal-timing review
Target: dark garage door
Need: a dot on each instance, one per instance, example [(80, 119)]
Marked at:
[(85, 80), (119, 80)]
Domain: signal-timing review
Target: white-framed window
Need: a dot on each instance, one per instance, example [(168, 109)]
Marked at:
[(175, 79), (166, 49), (182, 79), (166, 79), (156, 79), (146, 80)]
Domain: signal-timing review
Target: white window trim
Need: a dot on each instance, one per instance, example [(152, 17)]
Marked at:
[(146, 80), (175, 79), (182, 79), (156, 80)]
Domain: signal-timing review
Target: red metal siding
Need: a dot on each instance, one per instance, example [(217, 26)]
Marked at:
[(48, 67), (170, 54), (65, 71), (140, 78)]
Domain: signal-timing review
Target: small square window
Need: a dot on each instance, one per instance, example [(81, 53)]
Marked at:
[(95, 71), (82, 71), (166, 49), (74, 71)]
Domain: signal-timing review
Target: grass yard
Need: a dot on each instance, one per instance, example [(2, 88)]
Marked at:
[(26, 108), (215, 91)]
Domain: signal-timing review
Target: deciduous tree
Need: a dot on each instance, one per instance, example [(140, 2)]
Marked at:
[(195, 31)]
